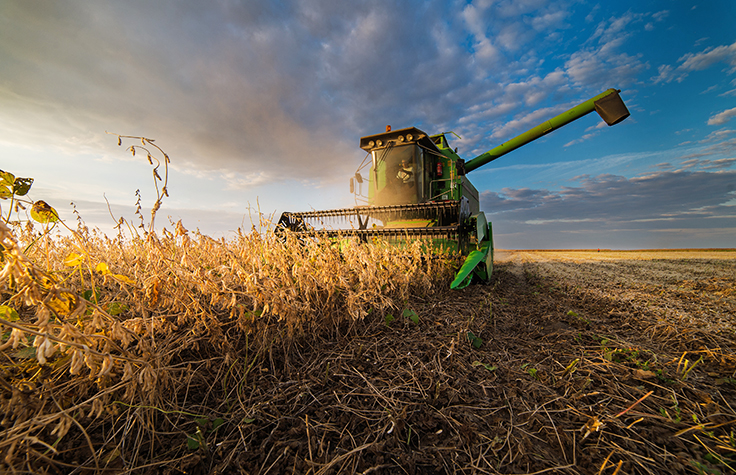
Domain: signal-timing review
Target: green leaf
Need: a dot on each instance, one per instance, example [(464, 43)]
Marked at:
[(8, 185), (6, 178), (248, 421), (8, 313), (411, 315), (217, 423), (21, 186), (486, 366), (192, 443), (43, 213), (389, 318), (474, 340), (91, 296), (202, 421), (116, 308), (27, 353)]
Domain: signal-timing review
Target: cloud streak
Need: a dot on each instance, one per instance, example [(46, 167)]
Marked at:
[(697, 62), (722, 117)]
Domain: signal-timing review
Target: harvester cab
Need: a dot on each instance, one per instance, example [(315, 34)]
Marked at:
[(417, 188), (409, 167)]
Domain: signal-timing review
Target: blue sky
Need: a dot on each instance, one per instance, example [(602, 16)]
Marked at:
[(260, 105)]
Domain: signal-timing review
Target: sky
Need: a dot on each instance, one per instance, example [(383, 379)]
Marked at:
[(260, 105)]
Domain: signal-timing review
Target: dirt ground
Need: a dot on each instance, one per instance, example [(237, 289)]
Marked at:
[(567, 362)]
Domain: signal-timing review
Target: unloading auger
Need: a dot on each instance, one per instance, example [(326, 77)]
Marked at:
[(417, 188)]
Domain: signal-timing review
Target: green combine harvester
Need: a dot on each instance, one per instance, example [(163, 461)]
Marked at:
[(418, 188)]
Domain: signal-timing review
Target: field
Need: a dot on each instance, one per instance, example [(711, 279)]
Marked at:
[(181, 354)]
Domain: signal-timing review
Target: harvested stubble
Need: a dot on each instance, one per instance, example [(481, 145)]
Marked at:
[(129, 355)]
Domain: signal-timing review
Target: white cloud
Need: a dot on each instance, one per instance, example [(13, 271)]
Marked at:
[(486, 53), (660, 16), (599, 66), (527, 121), (614, 28), (549, 20), (722, 117), (709, 57), (718, 135), (698, 62), (240, 181), (665, 74), (581, 139)]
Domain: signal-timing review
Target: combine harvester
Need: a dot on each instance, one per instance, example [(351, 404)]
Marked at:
[(418, 188)]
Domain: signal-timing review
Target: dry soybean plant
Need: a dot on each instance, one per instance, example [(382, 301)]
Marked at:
[(105, 341)]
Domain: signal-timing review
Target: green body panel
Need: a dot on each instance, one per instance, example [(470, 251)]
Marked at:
[(478, 264)]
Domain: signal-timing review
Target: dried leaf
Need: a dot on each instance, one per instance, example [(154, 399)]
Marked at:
[(593, 425), (643, 374)]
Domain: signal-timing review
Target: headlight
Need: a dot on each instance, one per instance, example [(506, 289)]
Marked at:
[(378, 143), (401, 138), (409, 137), (371, 144)]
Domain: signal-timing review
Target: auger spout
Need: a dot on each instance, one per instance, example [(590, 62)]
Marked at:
[(608, 105)]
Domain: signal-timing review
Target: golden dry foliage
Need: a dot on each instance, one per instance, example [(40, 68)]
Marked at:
[(105, 333)]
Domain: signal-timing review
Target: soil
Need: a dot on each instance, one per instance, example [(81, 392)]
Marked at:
[(565, 363)]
